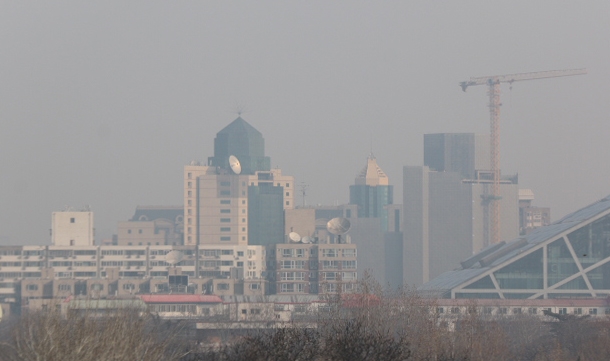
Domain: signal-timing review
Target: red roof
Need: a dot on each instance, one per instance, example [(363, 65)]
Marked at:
[(180, 299)]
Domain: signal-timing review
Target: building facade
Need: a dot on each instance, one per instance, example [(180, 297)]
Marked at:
[(241, 206), (72, 228)]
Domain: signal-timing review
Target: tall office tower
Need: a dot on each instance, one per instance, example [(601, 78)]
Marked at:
[(243, 141), (236, 205), (72, 228), (372, 193), (446, 202), (463, 153)]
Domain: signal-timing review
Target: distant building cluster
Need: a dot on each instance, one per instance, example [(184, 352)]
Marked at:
[(241, 233)]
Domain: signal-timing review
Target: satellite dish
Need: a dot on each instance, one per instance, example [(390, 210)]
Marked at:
[(235, 165), (338, 226), (306, 239), (294, 237), (174, 257)]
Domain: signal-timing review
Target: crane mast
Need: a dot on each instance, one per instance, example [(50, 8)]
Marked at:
[(493, 91)]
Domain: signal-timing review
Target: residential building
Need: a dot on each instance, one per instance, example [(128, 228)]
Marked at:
[(152, 225), (72, 228), (222, 206)]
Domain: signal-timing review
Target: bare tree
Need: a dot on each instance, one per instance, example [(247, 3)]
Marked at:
[(124, 334)]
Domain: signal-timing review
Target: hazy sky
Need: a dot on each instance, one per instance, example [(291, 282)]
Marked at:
[(103, 103)]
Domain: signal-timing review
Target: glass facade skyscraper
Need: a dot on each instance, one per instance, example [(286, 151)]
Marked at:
[(372, 193), (244, 142)]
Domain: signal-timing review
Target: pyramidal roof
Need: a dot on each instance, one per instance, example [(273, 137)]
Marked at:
[(240, 126), (372, 174)]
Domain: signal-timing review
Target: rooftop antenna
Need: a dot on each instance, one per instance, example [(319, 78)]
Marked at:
[(303, 188), (239, 108)]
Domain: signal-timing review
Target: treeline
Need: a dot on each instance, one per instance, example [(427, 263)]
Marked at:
[(368, 326)]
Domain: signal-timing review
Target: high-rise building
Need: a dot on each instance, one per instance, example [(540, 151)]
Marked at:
[(222, 206), (243, 141), (462, 153), (446, 205), (372, 193)]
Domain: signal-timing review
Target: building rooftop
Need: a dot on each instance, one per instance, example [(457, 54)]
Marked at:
[(372, 174), (499, 257)]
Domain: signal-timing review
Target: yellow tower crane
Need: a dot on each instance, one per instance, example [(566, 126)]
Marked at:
[(493, 83)]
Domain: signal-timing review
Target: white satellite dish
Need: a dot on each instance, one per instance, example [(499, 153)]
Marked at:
[(338, 226), (174, 257), (306, 239), (235, 165), (294, 237)]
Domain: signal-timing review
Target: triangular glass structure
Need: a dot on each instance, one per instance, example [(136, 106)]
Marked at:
[(575, 284), (518, 295), (590, 242), (600, 277), (483, 283), (525, 273), (560, 263)]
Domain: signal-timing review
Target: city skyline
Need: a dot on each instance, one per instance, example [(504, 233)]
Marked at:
[(104, 107)]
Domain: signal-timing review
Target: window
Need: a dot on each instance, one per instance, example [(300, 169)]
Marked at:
[(243, 202), (278, 308), (240, 253), (455, 310), (225, 201), (440, 310), (593, 311), (129, 287), (225, 184), (225, 220), (227, 252), (563, 311), (330, 276), (287, 194), (31, 287), (225, 193), (190, 202), (487, 310), (240, 264), (64, 287), (189, 176), (225, 211), (254, 286), (349, 253), (287, 185), (287, 287), (225, 238), (97, 287), (348, 264), (244, 312), (503, 311), (129, 231), (223, 286), (516, 311), (532, 311), (255, 311), (287, 203), (578, 311), (225, 229), (72, 220), (190, 194)]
